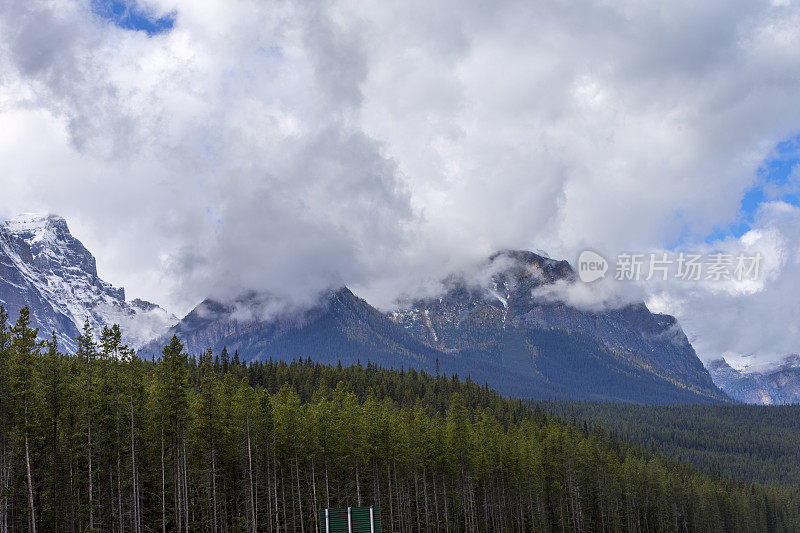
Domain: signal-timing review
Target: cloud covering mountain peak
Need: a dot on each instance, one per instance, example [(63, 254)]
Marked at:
[(291, 147)]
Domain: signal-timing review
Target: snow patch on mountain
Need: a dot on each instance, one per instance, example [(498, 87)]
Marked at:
[(775, 384), (39, 250)]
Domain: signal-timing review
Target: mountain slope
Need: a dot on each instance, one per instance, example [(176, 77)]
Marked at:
[(499, 321), (43, 266), (493, 329), (341, 328), (776, 386)]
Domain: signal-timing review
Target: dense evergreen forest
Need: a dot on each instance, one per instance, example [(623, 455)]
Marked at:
[(104, 441), (756, 442)]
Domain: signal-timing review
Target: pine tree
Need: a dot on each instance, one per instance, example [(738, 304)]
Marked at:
[(112, 351), (135, 404), (24, 358), (225, 360), (245, 402), (87, 353), (54, 396), (207, 428), (173, 390), (5, 412)]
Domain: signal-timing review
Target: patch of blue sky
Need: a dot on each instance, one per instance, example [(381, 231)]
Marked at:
[(778, 179), (129, 15)]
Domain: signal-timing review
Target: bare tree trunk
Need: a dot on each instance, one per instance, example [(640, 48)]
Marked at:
[(185, 486), (250, 472), (268, 484), (416, 493), (283, 499), (376, 498), (299, 497), (111, 499), (314, 494), (272, 490), (275, 482), (2, 474), (425, 494), (89, 436), (464, 497), (485, 505), (8, 456), (436, 499), (358, 485), (391, 507), (214, 483), (119, 489), (163, 488), (446, 513), (30, 478), (177, 504), (91, 490), (399, 499), (134, 473), (119, 458), (327, 489), (71, 499)]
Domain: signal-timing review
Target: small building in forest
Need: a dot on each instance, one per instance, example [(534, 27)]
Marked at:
[(351, 520)]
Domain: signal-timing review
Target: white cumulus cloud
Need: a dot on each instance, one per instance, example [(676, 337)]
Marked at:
[(289, 146)]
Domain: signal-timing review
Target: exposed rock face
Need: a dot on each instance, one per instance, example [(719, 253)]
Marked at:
[(775, 386), (43, 266), (500, 317), (493, 328)]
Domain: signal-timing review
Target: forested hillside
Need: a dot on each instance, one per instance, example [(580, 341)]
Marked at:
[(756, 442), (105, 441)]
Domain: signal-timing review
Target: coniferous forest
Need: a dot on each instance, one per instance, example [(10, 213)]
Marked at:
[(105, 441), (756, 442)]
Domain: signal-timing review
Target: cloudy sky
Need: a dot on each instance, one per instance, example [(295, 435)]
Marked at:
[(204, 147)]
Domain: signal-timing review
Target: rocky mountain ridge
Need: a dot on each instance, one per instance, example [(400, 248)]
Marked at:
[(491, 326), (778, 385), (485, 317), (43, 266), (495, 324)]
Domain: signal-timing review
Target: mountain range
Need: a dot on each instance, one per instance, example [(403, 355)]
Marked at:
[(778, 385), (44, 267), (498, 326), (491, 327)]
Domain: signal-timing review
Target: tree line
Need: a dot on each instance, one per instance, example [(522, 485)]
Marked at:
[(103, 440)]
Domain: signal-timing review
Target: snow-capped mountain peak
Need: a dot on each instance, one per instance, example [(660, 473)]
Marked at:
[(44, 266)]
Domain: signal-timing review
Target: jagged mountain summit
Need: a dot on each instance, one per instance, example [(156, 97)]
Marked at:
[(502, 320), (43, 266), (493, 327), (779, 385)]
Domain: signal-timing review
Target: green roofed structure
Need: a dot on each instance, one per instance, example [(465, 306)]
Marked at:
[(351, 520)]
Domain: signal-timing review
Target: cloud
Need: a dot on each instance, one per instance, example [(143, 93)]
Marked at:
[(746, 320), (290, 146), (597, 296), (219, 157)]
